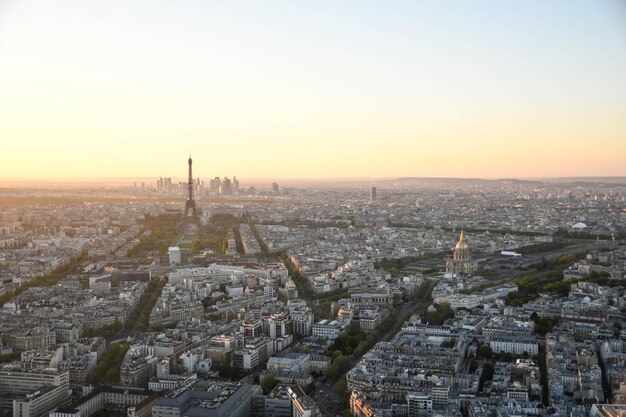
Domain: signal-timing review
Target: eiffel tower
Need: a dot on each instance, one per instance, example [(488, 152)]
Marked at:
[(190, 222)]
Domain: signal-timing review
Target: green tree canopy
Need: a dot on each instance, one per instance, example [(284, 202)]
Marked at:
[(268, 383)]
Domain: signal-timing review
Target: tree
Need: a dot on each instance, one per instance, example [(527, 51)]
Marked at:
[(485, 352), (332, 373), (340, 387), (617, 329), (117, 325), (342, 363), (114, 349), (565, 259), (301, 349), (442, 312), (504, 357), (545, 325), (96, 376), (208, 302), (450, 343), (112, 375), (268, 383)]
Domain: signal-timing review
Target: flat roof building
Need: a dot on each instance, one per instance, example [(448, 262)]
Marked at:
[(207, 399)]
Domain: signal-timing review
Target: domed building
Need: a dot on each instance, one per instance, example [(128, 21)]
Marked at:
[(461, 261)]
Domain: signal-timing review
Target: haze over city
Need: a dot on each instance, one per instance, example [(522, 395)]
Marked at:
[(482, 89)]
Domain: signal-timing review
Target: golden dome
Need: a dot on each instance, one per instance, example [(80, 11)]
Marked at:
[(462, 243)]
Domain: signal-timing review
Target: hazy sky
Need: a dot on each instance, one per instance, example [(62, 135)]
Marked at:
[(312, 88)]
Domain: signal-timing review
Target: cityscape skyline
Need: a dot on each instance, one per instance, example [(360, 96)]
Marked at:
[(151, 182), (314, 301), (313, 209), (481, 89)]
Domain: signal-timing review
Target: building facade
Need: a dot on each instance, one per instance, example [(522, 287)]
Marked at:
[(461, 262)]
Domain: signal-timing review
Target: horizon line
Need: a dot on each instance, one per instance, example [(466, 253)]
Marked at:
[(366, 178)]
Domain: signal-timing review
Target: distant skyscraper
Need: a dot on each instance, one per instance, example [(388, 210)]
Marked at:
[(235, 185), (275, 187), (164, 185), (373, 194), (226, 187), (214, 185)]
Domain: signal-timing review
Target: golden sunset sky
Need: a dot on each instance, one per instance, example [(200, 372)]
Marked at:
[(312, 89)]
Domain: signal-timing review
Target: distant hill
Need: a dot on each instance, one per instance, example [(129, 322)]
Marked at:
[(457, 181), (586, 180), (573, 181)]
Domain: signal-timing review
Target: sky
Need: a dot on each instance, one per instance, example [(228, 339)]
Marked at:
[(312, 89)]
